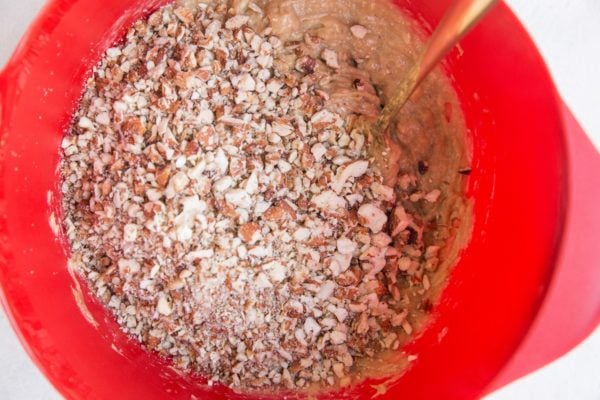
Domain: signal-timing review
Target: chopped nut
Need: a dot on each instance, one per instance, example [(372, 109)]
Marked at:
[(245, 83), (318, 151), (85, 123), (275, 213), (223, 184), (340, 263), (326, 290), (354, 169), (338, 370), (347, 278), (130, 233), (384, 192), (359, 31), (282, 129), (381, 240), (179, 181), (338, 337), (239, 198), (162, 178), (250, 232), (328, 200), (330, 57), (301, 234), (163, 306), (276, 270), (433, 196), (311, 327), (372, 217), (184, 14), (236, 22), (306, 64), (346, 246)]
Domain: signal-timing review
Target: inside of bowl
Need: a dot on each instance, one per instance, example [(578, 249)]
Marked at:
[(516, 186)]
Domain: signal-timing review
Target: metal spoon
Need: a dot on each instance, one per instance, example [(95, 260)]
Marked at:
[(459, 19)]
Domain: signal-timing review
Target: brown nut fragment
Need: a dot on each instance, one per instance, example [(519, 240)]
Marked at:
[(184, 14), (250, 232), (347, 278), (280, 212), (306, 65), (133, 126), (163, 176)]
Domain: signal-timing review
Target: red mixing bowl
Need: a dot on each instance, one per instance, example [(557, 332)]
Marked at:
[(526, 288)]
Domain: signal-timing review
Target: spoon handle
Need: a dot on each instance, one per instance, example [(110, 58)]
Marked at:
[(457, 21)]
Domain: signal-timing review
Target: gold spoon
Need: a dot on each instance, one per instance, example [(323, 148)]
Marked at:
[(459, 19)]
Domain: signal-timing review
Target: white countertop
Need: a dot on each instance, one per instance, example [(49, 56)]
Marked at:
[(567, 32)]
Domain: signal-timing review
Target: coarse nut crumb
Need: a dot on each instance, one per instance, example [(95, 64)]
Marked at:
[(227, 219)]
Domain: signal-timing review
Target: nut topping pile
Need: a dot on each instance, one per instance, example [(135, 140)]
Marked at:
[(226, 218)]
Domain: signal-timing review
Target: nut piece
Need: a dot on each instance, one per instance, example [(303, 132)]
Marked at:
[(85, 123), (348, 278), (184, 14), (163, 306), (326, 290), (223, 184), (329, 201), (130, 233), (275, 213), (301, 234), (133, 126), (372, 217), (433, 196), (179, 181), (245, 83), (311, 327), (239, 198), (318, 151), (282, 129), (331, 59), (340, 263), (354, 169), (276, 270), (400, 221), (306, 64), (236, 22), (162, 178), (346, 246), (381, 240), (250, 232), (337, 337), (359, 31), (383, 192)]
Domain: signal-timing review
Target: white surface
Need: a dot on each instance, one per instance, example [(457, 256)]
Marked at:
[(567, 32)]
